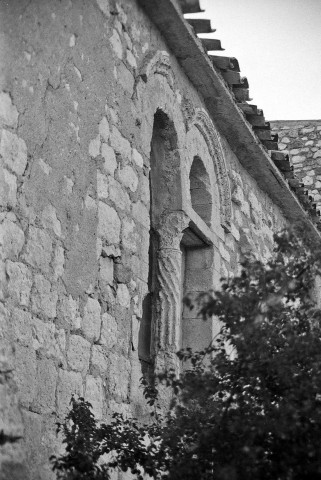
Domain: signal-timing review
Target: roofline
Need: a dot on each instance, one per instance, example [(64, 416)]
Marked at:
[(221, 105)]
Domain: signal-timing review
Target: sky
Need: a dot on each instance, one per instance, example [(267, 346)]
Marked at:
[(278, 46)]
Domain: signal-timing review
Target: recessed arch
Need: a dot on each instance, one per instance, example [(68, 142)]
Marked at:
[(203, 123), (200, 190)]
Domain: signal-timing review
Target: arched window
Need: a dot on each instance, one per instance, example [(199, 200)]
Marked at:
[(201, 197), (164, 195)]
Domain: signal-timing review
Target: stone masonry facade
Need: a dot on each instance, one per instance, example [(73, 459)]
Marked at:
[(301, 139), (108, 154)]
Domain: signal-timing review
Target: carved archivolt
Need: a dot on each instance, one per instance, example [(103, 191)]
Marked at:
[(157, 61), (203, 123)]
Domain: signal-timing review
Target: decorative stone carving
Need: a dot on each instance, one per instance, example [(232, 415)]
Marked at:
[(203, 123), (168, 316), (157, 61)]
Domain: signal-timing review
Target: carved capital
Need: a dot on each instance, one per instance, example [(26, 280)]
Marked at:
[(171, 228)]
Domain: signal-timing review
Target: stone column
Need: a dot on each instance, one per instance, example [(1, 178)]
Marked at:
[(168, 307)]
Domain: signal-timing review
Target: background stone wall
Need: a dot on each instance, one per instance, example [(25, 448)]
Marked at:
[(74, 220), (302, 140)]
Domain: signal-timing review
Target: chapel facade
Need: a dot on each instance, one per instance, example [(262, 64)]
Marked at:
[(134, 171)]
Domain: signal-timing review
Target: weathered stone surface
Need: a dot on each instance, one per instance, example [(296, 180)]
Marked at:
[(94, 393), (137, 158), (109, 331), (104, 129), (91, 321), (85, 205), (106, 271), (305, 153), (20, 327), (8, 111), (78, 353), (45, 390), (39, 249), (123, 295), (99, 361), (118, 379), (102, 186), (11, 239), (120, 143), (128, 178), (110, 162), (44, 299), (8, 188), (94, 147), (50, 220), (116, 44), (20, 282), (129, 237), (108, 223), (58, 262), (26, 373), (13, 151), (118, 195), (69, 383), (69, 311), (45, 341)]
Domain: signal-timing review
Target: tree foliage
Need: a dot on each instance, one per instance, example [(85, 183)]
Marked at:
[(247, 407)]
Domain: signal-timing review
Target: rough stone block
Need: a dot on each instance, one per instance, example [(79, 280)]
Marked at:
[(108, 223), (45, 397), (94, 147), (298, 159), (119, 143), (128, 178), (69, 311), (8, 188), (116, 44), (99, 361), (102, 186), (118, 195), (44, 299), (13, 151), (123, 295), (78, 353), (39, 249), (141, 214), (137, 158), (20, 327), (110, 162), (126, 78), (224, 253), (104, 129), (94, 394), (8, 111), (91, 321), (11, 239), (118, 379), (109, 331), (106, 270), (50, 220), (104, 7), (58, 262), (45, 341), (69, 383), (25, 373), (129, 237), (20, 282)]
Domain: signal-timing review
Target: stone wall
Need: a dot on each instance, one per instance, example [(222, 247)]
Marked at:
[(83, 85), (302, 140)]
